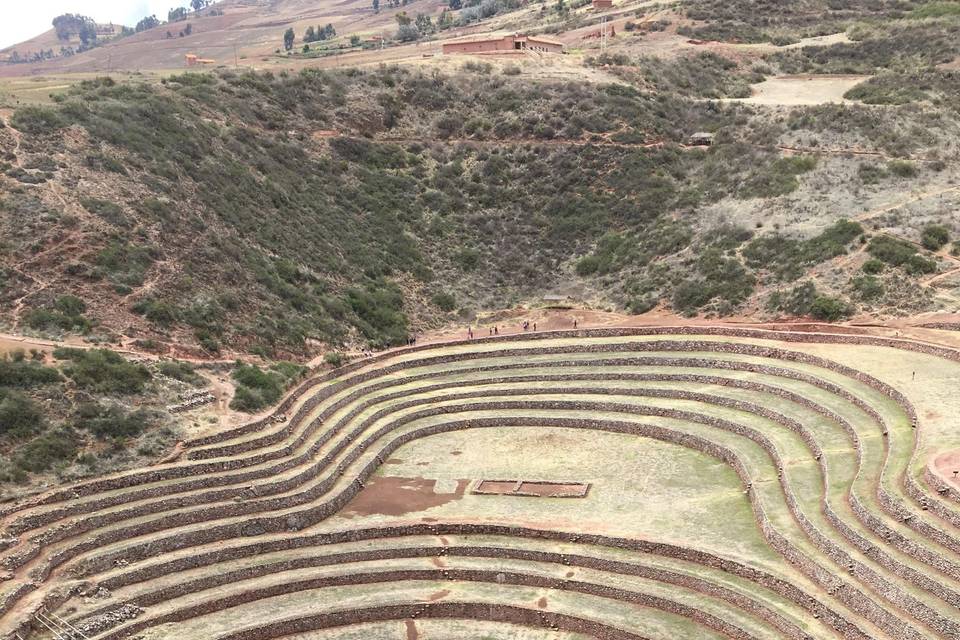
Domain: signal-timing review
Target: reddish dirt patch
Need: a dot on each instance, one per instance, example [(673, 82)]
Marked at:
[(569, 574), (393, 461), (554, 490), (456, 453), (411, 630), (392, 496), (542, 602), (946, 463), (439, 595), (438, 562)]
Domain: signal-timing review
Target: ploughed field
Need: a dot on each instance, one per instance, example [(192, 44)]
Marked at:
[(638, 483)]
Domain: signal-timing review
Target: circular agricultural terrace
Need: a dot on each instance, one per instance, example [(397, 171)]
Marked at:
[(622, 483)]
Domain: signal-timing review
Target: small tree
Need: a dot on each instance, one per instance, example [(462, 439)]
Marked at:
[(288, 37), (424, 23), (456, 4), (934, 237), (88, 33), (309, 35), (354, 40), (329, 31), (147, 23), (407, 33), (376, 6), (403, 19), (198, 5)]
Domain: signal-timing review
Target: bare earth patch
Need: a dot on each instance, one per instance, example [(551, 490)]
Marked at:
[(393, 496), (803, 90)]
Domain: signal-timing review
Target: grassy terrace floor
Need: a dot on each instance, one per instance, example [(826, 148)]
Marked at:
[(740, 486)]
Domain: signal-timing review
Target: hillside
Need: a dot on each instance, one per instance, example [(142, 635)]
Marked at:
[(267, 211)]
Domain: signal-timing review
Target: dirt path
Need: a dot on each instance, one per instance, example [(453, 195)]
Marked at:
[(875, 213)]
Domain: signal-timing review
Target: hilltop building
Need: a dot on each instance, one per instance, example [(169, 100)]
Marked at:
[(494, 43)]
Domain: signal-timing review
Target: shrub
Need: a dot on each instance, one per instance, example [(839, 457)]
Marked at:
[(19, 373), (258, 388), (334, 358), (124, 262), (156, 311), (799, 300), (917, 265), (902, 168), (103, 371), (182, 371), (111, 423), (891, 250), (868, 288), (718, 278), (379, 313), (871, 173), (45, 451), (588, 265), (445, 301), (46, 319), (830, 309), (934, 237), (873, 266), (19, 415), (37, 120), (787, 257)]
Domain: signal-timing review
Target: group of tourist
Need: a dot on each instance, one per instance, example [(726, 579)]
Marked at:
[(495, 330)]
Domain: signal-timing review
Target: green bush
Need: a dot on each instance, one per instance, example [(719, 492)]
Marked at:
[(934, 237), (445, 301), (379, 311), (182, 371), (917, 265), (902, 168), (788, 258), (159, 312), (830, 309), (37, 120), (868, 288), (19, 415), (258, 388), (588, 265), (334, 358), (873, 266), (719, 279), (66, 315), (892, 251), (103, 371), (19, 373), (125, 263), (871, 173), (45, 451), (111, 423)]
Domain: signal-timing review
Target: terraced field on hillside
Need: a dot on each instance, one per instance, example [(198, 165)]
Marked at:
[(728, 484)]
